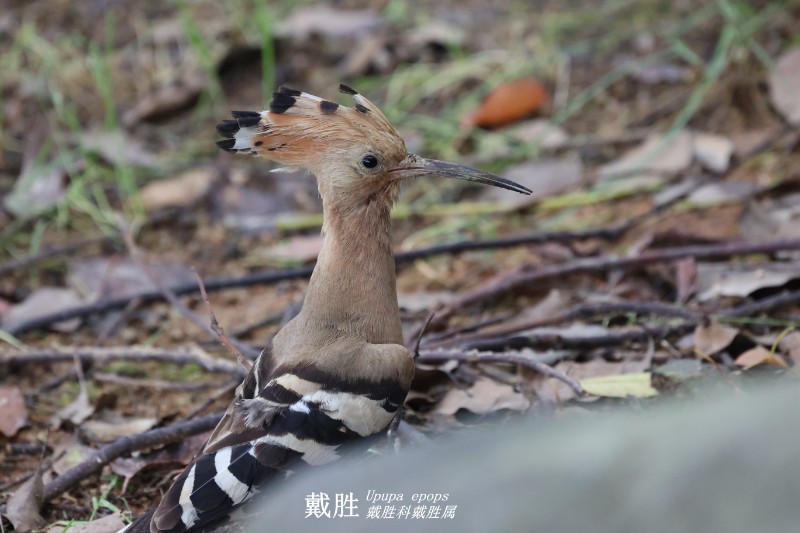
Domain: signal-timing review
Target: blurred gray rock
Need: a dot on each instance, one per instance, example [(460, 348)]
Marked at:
[(725, 463)]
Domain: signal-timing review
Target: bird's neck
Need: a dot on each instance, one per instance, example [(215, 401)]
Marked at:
[(353, 289)]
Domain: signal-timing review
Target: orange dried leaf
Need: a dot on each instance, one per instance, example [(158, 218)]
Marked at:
[(713, 337), (509, 102), (13, 413), (758, 356)]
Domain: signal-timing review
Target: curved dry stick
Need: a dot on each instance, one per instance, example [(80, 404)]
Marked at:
[(494, 330), (105, 454), (499, 287), (556, 341), (107, 355), (475, 356)]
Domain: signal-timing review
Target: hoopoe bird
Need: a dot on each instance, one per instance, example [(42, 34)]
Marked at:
[(338, 371)]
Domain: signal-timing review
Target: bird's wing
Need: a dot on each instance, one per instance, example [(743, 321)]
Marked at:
[(279, 416)]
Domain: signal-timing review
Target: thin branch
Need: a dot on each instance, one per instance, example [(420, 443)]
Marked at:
[(107, 355), (575, 312), (123, 445), (518, 280), (476, 356), (421, 333), (556, 341), (218, 330)]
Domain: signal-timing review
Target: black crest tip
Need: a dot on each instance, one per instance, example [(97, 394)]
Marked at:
[(346, 89), (328, 107), (228, 128), (248, 122), (289, 92), (361, 109), (245, 114), (281, 102), (227, 144)]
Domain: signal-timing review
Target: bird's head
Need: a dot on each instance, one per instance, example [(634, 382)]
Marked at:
[(355, 152)]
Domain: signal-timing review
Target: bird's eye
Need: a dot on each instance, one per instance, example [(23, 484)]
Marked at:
[(369, 161)]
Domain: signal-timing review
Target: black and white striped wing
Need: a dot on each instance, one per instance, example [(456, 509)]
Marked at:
[(300, 416)]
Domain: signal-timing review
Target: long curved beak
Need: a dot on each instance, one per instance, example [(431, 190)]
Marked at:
[(414, 166)]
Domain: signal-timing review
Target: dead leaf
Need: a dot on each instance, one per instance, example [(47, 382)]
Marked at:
[(165, 101), (13, 413), (118, 277), (791, 345), (779, 219), (672, 192), (713, 337), (23, 506), (436, 32), (746, 141), (43, 302), (540, 132), (106, 524), (484, 396), (508, 103), (663, 72), (556, 391), (677, 372), (328, 22), (715, 280), (685, 278), (70, 452), (575, 330), (659, 155), (371, 54), (758, 356), (183, 190), (250, 210), (636, 385), (653, 72), (296, 249), (416, 302), (127, 467), (713, 151), (178, 454), (544, 177), (77, 411), (723, 192), (551, 305), (116, 147), (100, 431), (38, 188), (784, 80)]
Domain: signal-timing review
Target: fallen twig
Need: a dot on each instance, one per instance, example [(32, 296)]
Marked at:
[(218, 330), (646, 334), (579, 311), (107, 355), (501, 286), (513, 358), (105, 454)]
